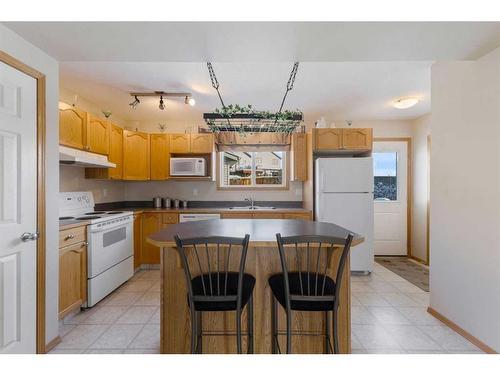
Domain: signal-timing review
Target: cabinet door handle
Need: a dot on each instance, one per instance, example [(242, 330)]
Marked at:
[(69, 237)]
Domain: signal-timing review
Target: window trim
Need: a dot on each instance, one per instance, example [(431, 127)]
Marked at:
[(286, 170)]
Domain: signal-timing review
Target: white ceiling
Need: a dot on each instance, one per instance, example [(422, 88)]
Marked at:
[(354, 90), (348, 70), (261, 41)]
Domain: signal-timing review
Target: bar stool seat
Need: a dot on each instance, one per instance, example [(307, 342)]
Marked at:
[(218, 283), (313, 300)]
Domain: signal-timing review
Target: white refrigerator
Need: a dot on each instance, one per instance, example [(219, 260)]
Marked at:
[(344, 196)]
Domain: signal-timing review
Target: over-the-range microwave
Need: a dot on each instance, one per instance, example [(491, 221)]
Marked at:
[(187, 167)]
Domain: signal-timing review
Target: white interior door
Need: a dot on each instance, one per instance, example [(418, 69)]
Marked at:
[(18, 201), (390, 169)]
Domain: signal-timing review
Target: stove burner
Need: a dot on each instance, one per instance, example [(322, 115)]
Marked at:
[(66, 217), (88, 218), (95, 213)]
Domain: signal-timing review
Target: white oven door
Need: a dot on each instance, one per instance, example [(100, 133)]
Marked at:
[(109, 246)]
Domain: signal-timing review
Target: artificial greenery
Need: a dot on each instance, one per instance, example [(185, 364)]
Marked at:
[(284, 121)]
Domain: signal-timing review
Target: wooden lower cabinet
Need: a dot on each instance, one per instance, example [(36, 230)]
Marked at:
[(72, 276)]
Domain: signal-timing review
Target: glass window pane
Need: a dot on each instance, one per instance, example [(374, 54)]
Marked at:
[(236, 169), (269, 168), (385, 173), (258, 169)]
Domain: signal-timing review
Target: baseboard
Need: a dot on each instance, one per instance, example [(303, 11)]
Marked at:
[(52, 343), (481, 345)]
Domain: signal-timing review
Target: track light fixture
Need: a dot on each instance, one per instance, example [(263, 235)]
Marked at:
[(135, 103), (162, 104), (188, 98)]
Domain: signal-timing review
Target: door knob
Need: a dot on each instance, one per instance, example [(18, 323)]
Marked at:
[(25, 237)]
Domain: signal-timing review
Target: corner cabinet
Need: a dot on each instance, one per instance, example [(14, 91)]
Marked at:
[(343, 139), (97, 136), (136, 159), (72, 127), (115, 156), (160, 156)]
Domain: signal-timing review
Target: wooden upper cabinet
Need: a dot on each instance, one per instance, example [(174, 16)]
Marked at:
[(357, 139), (115, 151), (343, 139), (180, 143), (160, 156), (202, 143), (98, 135), (298, 155), (72, 126), (328, 139), (136, 164)]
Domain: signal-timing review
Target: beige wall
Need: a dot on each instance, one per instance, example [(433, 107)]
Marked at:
[(73, 179), (465, 195), (14, 45), (421, 129)]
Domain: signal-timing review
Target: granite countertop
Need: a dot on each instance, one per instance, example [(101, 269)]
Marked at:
[(214, 210), (262, 231)]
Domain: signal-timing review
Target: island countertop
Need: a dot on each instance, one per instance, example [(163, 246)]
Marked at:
[(262, 231), (262, 262)]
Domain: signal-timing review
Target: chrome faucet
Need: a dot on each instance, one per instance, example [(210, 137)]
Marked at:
[(252, 202)]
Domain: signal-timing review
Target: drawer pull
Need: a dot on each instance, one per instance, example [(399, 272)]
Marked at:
[(69, 237)]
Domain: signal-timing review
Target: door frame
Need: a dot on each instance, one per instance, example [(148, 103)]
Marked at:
[(40, 246), (409, 181)]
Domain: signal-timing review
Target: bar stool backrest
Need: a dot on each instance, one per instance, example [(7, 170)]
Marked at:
[(213, 258), (313, 256)]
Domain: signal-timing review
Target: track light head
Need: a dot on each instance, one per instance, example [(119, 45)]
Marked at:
[(135, 103), (189, 100), (162, 104)]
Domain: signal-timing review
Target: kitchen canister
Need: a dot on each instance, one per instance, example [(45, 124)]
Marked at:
[(176, 203), (167, 202), (184, 204), (157, 202)]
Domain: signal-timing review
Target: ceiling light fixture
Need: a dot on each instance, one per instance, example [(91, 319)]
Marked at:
[(189, 100), (162, 104), (404, 103), (187, 96), (135, 103)]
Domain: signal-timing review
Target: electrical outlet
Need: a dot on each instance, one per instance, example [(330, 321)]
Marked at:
[(195, 192), (105, 192)]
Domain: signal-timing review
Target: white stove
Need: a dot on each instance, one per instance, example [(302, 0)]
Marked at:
[(110, 252)]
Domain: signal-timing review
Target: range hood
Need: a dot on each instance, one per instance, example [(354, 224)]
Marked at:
[(79, 158)]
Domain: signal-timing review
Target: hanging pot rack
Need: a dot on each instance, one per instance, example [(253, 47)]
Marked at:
[(245, 120)]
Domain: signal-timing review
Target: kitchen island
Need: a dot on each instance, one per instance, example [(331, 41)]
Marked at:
[(262, 262)]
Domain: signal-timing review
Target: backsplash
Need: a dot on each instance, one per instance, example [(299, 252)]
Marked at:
[(73, 179)]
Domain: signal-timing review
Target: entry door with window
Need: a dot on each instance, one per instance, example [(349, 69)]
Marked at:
[(18, 202), (390, 170)]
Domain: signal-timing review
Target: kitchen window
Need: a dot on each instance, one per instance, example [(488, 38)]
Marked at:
[(262, 169), (385, 167)]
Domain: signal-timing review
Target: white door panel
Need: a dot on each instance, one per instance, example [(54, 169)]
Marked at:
[(17, 211), (390, 226)]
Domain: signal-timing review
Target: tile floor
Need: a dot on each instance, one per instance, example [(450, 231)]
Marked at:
[(388, 316)]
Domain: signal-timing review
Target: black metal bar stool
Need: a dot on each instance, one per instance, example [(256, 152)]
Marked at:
[(216, 288), (307, 287)]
